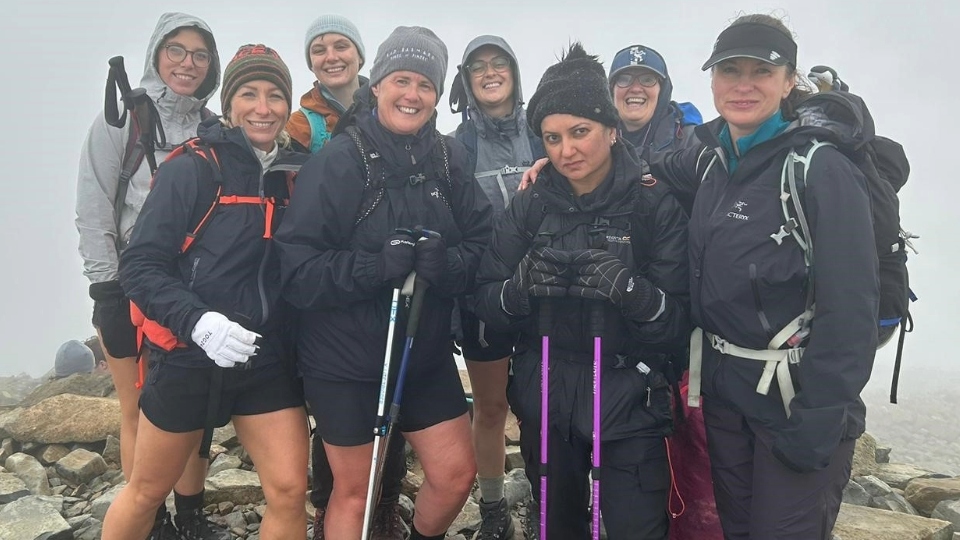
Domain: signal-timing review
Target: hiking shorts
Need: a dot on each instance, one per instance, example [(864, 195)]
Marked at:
[(175, 398), (118, 336), (346, 411), (481, 343)]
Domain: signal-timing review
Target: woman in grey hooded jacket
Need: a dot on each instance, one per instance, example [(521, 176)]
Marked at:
[(487, 92), (181, 72)]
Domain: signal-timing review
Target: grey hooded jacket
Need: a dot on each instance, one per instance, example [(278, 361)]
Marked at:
[(102, 154), (501, 147)]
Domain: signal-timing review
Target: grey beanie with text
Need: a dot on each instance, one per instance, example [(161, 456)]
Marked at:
[(412, 48)]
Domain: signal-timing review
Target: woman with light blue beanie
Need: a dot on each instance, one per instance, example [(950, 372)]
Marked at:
[(335, 54)]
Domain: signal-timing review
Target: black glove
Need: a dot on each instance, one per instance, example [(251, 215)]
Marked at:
[(431, 259), (602, 276), (396, 258), (534, 277)]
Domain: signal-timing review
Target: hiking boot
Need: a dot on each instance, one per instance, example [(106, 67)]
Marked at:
[(193, 525), (318, 523), (163, 529), (530, 521), (387, 523), (496, 523)]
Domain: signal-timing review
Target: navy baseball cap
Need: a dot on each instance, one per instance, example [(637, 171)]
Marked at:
[(638, 56), (753, 40)]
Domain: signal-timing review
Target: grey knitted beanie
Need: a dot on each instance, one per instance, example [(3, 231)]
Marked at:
[(73, 357), (333, 24), (412, 48)]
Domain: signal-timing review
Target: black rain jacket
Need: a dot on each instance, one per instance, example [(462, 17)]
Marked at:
[(231, 268), (655, 248), (329, 265)]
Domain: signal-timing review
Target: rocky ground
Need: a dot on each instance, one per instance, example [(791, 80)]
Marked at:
[(59, 470)]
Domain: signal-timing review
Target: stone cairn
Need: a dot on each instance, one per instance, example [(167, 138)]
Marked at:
[(60, 454)]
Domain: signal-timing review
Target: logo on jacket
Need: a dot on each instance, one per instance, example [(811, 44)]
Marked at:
[(614, 239), (435, 193), (737, 212)]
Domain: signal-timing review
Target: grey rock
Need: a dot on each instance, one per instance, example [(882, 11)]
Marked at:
[(28, 469), (895, 503), (99, 506), (11, 488), (406, 508), (78, 384), (224, 462), (514, 460), (111, 450), (516, 488), (874, 486), (52, 453), (80, 466), (235, 485), (89, 531), (8, 417), (853, 493), (898, 475), (883, 454), (948, 511), (235, 520), (862, 523), (67, 418), (34, 517), (225, 436), (468, 521)]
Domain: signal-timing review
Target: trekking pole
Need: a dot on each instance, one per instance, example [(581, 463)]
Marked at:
[(545, 322), (596, 330), (416, 288)]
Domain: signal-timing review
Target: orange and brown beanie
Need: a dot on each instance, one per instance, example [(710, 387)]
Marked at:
[(255, 63)]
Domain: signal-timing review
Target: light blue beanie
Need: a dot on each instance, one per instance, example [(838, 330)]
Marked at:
[(333, 24), (73, 357)]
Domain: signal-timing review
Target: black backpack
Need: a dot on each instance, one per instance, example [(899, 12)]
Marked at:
[(849, 127)]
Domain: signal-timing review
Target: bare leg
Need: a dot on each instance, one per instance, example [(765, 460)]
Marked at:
[(125, 374), (489, 383), (446, 454), (158, 461), (277, 444), (351, 472)]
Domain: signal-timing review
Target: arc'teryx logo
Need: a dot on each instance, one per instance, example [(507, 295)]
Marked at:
[(737, 212)]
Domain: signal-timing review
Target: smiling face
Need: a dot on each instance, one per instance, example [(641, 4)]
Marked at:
[(405, 101), (335, 60), (183, 77), (260, 109), (491, 80), (747, 92), (636, 103), (579, 148)]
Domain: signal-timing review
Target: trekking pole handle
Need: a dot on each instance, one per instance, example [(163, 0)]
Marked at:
[(596, 318)]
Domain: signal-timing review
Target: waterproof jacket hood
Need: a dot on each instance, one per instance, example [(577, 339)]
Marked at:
[(102, 233)]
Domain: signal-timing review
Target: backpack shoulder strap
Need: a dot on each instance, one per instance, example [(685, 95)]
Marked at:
[(373, 187), (133, 154), (209, 188), (318, 129)]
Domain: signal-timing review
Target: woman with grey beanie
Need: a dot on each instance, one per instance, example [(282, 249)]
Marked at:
[(343, 248)]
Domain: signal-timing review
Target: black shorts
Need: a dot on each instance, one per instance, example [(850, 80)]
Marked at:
[(117, 332), (481, 343), (175, 398), (346, 411)]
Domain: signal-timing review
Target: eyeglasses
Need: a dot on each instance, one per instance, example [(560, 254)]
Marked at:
[(177, 53), (498, 63), (625, 80)]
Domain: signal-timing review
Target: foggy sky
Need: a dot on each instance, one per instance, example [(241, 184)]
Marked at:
[(896, 55)]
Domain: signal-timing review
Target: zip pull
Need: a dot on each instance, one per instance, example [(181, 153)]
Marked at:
[(413, 160), (648, 397)]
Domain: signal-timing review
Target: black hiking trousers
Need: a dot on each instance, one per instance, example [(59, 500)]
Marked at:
[(759, 498), (634, 480)]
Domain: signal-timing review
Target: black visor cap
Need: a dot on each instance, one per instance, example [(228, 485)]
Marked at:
[(753, 40)]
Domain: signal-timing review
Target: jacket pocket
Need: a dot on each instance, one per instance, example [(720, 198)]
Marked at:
[(659, 401)]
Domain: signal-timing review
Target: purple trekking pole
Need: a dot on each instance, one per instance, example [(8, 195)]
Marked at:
[(596, 329), (545, 322)]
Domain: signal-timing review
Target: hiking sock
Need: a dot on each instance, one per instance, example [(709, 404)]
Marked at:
[(417, 535), (491, 489), (187, 503)]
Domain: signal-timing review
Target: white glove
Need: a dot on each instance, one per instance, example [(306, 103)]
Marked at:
[(225, 342)]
